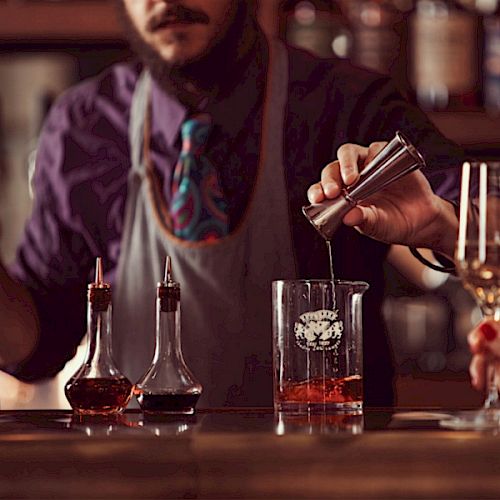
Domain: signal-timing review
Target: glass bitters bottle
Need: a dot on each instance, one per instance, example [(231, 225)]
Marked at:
[(168, 386), (98, 387)]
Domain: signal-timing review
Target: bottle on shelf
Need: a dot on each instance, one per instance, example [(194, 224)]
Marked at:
[(445, 55), (98, 387), (491, 55), (168, 386), (317, 26), (379, 35)]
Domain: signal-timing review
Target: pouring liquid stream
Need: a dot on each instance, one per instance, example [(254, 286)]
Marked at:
[(332, 273)]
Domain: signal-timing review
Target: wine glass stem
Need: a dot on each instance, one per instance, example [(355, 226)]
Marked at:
[(491, 400)]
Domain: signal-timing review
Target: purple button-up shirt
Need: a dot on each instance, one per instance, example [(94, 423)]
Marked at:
[(83, 162)]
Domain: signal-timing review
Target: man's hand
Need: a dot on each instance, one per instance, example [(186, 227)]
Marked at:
[(19, 328), (407, 212), (484, 343)]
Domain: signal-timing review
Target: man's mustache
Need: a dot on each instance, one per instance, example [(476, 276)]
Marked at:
[(176, 14)]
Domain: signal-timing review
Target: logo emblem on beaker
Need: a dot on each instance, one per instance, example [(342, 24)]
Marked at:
[(319, 330)]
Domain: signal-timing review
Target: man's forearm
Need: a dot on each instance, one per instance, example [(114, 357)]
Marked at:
[(18, 321)]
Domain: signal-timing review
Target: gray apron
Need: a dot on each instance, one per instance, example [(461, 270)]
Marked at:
[(225, 285)]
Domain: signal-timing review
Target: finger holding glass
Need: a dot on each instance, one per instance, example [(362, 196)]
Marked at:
[(484, 344)]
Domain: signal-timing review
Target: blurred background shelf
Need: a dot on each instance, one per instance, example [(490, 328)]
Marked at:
[(23, 21), (47, 25)]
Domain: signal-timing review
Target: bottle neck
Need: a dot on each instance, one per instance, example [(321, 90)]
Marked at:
[(99, 334), (168, 332)]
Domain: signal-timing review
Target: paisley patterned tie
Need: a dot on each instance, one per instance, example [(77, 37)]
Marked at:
[(198, 209)]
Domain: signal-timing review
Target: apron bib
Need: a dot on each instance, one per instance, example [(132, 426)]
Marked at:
[(226, 318)]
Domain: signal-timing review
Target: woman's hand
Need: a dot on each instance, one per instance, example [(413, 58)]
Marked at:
[(406, 212), (484, 343)]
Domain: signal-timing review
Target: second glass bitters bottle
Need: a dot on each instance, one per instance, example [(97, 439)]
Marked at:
[(168, 386)]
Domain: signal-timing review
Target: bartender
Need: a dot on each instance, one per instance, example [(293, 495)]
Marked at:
[(204, 150)]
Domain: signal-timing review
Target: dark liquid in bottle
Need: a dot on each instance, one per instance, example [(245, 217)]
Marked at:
[(94, 396), (168, 403)]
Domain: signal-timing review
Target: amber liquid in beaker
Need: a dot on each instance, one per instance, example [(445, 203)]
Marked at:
[(324, 390)]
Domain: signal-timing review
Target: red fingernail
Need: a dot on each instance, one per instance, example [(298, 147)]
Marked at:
[(489, 333)]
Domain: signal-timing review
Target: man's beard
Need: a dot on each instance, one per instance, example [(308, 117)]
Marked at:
[(214, 71)]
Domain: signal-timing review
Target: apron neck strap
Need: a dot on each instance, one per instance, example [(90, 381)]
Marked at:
[(138, 118)]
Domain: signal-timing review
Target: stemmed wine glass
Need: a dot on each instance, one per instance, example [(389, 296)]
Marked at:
[(478, 265)]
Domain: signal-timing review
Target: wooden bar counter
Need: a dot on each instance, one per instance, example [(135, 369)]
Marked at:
[(245, 454)]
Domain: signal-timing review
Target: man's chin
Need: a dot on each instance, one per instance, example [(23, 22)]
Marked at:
[(177, 59), (178, 53)]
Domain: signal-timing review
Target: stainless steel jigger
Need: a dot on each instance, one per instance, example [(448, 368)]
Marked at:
[(398, 158)]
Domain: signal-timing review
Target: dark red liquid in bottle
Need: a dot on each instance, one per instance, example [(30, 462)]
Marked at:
[(94, 396), (168, 403)]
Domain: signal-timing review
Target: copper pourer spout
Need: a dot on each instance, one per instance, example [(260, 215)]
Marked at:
[(99, 280), (99, 291), (168, 270), (398, 158), (99, 276)]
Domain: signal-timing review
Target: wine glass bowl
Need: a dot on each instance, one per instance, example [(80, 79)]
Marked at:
[(478, 242)]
